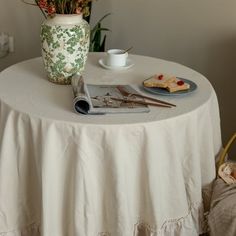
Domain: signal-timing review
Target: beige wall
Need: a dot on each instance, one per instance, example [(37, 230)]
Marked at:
[(23, 23), (200, 34)]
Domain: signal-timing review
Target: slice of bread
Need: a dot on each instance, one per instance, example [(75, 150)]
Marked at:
[(177, 85), (159, 80), (171, 83)]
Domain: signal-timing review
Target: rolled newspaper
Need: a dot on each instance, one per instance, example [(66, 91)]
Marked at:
[(94, 99), (81, 102)]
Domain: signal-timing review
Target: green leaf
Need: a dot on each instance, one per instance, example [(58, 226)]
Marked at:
[(97, 43), (98, 23), (102, 46)]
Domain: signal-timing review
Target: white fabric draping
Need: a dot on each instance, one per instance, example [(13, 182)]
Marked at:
[(62, 174)]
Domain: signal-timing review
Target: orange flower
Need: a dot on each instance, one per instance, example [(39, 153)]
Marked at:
[(78, 10), (43, 4), (50, 7)]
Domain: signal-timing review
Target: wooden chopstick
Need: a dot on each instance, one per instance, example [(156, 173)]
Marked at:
[(125, 93), (153, 99), (140, 102)]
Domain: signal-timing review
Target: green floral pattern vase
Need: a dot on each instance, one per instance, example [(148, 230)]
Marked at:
[(65, 46)]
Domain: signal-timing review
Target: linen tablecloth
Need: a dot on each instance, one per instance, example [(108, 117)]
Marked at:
[(64, 174)]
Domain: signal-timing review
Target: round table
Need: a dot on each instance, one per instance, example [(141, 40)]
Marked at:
[(67, 174)]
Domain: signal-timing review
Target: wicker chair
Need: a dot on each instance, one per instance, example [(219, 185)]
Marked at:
[(222, 214)]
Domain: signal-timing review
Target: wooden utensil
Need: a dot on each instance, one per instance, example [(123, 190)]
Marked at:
[(139, 102), (127, 50), (127, 94)]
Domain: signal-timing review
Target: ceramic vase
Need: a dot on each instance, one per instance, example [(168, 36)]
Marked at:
[(65, 46)]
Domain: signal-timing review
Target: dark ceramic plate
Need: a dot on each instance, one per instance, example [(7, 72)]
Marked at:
[(165, 92)]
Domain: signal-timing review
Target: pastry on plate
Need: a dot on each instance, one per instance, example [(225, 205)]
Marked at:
[(177, 85), (159, 80), (168, 82)]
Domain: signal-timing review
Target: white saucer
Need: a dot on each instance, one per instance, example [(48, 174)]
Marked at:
[(129, 64)]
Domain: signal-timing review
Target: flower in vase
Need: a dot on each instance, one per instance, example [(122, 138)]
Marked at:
[(51, 7)]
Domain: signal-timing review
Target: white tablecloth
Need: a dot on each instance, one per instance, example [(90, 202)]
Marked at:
[(64, 174)]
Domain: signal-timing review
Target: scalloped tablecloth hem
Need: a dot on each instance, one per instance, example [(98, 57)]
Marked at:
[(182, 226), (30, 230)]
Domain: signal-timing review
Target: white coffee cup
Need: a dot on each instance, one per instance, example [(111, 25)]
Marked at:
[(116, 57)]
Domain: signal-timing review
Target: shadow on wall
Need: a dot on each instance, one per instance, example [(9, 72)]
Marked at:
[(221, 70)]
